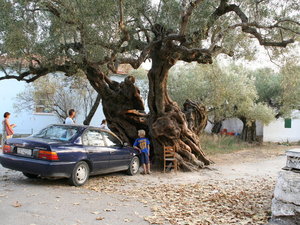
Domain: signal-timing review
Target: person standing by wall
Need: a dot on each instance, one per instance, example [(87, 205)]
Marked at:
[(70, 119), (7, 131)]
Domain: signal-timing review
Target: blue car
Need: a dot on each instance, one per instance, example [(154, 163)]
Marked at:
[(70, 151)]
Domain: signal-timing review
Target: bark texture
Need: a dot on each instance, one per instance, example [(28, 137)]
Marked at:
[(122, 104), (167, 123), (196, 115), (217, 127)]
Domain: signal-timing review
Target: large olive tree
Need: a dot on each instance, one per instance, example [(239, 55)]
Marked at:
[(43, 36)]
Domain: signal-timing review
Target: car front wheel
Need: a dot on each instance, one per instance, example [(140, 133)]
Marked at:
[(80, 174), (134, 166)]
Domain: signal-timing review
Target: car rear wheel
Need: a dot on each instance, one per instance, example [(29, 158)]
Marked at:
[(134, 166), (30, 175), (80, 174)]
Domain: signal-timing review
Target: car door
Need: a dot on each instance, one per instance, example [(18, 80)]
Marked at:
[(97, 152), (119, 155)]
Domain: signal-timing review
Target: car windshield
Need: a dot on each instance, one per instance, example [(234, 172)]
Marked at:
[(61, 133)]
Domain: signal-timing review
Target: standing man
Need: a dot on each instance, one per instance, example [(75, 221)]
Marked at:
[(70, 119), (104, 125)]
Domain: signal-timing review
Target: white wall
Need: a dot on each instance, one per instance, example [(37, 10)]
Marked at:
[(235, 125), (26, 122), (29, 122), (276, 132), (97, 119)]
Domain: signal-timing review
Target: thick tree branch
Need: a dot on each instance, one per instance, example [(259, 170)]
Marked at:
[(249, 27), (122, 26), (276, 25), (93, 110), (195, 54), (136, 62), (34, 73), (254, 32), (187, 14), (53, 9), (221, 10)]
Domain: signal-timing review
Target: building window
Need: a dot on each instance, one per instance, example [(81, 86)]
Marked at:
[(42, 104), (288, 123)]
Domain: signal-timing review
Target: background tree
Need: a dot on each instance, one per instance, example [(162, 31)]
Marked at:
[(280, 90), (269, 88), (66, 35), (56, 94), (229, 92), (290, 86)]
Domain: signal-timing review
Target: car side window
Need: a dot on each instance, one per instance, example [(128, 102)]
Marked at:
[(111, 140), (93, 138)]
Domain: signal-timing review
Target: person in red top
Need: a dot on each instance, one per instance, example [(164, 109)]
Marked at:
[(7, 131)]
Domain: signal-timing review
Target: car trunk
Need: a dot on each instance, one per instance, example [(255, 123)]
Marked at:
[(30, 147)]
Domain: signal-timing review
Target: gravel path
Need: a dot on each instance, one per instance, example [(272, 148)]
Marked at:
[(235, 190), (44, 202)]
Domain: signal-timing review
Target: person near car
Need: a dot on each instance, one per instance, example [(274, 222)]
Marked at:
[(143, 145), (70, 119), (7, 131), (104, 125)]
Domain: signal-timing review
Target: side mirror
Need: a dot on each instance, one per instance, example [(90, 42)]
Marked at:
[(125, 144)]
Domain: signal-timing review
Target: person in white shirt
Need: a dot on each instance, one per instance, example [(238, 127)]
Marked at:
[(70, 118), (104, 125)]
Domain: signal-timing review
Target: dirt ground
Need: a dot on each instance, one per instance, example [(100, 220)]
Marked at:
[(237, 189)]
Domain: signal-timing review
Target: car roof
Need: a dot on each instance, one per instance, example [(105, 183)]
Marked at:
[(70, 125), (81, 126), (86, 127)]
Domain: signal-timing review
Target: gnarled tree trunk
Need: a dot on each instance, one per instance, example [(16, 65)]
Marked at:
[(217, 127), (122, 104), (196, 115), (167, 123)]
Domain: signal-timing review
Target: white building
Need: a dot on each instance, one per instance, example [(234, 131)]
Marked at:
[(236, 126), (279, 130), (283, 130), (27, 122)]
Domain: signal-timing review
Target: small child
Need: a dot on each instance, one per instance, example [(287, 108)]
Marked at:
[(143, 145)]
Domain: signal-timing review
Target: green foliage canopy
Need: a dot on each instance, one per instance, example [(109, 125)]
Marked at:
[(228, 92), (63, 35)]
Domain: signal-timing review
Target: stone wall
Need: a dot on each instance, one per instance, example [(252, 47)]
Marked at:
[(286, 201)]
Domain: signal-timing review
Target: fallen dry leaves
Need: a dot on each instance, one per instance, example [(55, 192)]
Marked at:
[(17, 204), (100, 218), (239, 201)]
